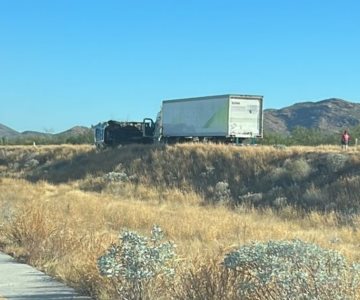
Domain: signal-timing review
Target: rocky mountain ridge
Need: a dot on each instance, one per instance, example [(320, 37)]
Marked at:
[(74, 131), (7, 131), (329, 115)]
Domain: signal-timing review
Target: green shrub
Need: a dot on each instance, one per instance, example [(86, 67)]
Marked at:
[(222, 192), (316, 197), (297, 169), (302, 136), (336, 161), (292, 270), (136, 261)]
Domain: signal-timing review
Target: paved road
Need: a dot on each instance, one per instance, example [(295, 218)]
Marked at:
[(22, 282)]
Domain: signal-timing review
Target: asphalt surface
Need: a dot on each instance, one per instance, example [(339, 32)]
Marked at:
[(23, 282)]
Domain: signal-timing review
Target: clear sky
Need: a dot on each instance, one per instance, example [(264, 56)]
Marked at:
[(77, 62)]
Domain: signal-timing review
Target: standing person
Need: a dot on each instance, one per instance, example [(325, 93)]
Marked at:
[(345, 138)]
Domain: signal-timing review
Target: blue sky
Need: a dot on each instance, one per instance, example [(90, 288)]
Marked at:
[(77, 62)]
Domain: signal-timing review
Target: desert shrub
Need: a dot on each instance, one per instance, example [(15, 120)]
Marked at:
[(136, 261), (291, 270), (315, 197), (276, 174), (341, 196), (32, 163), (115, 177), (345, 194), (297, 169), (307, 136), (336, 161), (251, 199), (292, 170), (222, 192), (280, 202), (49, 139), (301, 136), (274, 139)]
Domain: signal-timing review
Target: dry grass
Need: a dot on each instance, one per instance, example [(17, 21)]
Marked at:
[(63, 228), (63, 231)]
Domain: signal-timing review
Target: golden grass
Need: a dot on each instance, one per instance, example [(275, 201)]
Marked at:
[(56, 151), (62, 229)]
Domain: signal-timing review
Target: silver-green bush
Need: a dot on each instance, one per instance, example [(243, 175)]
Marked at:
[(336, 161), (291, 270), (135, 261), (298, 169)]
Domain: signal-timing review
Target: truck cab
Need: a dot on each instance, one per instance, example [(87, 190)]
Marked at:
[(114, 133)]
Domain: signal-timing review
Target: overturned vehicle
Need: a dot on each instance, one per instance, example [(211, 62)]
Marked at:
[(224, 118), (114, 133)]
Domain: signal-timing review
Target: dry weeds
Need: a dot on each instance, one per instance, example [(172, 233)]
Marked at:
[(63, 228)]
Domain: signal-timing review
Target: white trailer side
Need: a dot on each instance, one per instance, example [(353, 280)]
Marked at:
[(206, 116), (237, 116)]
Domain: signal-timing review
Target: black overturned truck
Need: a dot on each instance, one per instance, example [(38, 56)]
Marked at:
[(225, 118), (114, 133)]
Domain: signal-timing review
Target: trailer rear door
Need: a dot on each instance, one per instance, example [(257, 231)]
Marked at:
[(245, 117)]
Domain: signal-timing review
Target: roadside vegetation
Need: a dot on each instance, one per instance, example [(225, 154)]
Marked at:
[(49, 139), (298, 136), (227, 211)]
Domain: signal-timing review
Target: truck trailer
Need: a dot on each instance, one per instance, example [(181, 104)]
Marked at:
[(225, 118), (220, 118)]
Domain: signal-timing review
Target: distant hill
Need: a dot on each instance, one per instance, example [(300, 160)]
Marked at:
[(330, 115), (35, 133), (7, 132), (74, 132)]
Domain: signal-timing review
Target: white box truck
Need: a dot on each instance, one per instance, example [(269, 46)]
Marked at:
[(223, 118)]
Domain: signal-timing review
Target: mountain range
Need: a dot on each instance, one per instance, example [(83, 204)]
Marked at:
[(74, 131), (329, 115)]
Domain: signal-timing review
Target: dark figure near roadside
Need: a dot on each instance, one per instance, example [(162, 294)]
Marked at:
[(345, 138)]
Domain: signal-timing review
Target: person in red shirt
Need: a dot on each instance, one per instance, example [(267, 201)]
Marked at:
[(345, 138)]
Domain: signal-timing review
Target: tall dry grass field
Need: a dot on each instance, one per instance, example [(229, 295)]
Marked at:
[(61, 207)]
